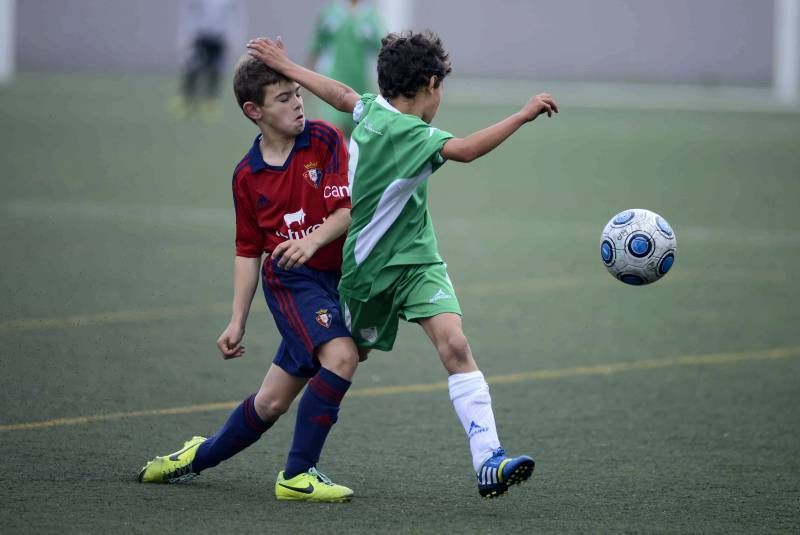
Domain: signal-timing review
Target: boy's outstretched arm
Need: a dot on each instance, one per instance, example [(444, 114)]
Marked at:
[(335, 93), (483, 141)]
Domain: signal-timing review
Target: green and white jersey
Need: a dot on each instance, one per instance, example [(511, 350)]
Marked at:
[(392, 154)]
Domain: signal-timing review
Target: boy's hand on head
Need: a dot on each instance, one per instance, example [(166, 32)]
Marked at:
[(537, 105), (229, 342), (270, 52), (293, 253)]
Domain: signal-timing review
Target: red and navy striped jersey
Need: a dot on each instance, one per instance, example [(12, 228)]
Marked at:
[(274, 204)]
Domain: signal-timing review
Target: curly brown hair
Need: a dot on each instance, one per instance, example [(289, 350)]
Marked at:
[(408, 59)]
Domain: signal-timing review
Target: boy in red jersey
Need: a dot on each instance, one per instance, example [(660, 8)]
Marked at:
[(292, 203), (391, 264)]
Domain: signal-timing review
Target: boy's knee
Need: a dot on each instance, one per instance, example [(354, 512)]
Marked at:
[(269, 408), (339, 356), (454, 348)]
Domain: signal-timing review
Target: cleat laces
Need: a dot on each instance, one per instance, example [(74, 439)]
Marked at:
[(322, 478), (499, 452)]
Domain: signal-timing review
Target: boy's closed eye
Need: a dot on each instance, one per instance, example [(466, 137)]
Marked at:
[(286, 95)]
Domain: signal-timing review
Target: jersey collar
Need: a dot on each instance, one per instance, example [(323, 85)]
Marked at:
[(257, 162), (385, 103)]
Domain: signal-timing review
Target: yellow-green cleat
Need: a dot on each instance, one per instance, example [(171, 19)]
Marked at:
[(311, 486), (173, 468)]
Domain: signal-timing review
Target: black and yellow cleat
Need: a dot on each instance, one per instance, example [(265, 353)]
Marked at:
[(173, 468), (311, 486)]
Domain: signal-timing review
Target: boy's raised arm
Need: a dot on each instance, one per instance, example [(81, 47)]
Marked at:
[(483, 141), (335, 93)]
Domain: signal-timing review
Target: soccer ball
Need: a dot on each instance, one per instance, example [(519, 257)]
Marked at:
[(638, 246)]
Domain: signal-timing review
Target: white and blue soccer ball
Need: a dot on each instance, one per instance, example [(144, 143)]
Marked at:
[(638, 246)]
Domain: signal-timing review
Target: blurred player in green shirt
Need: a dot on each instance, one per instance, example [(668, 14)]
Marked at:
[(346, 38), (391, 266)]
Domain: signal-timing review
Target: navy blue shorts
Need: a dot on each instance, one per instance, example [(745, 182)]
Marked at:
[(305, 305)]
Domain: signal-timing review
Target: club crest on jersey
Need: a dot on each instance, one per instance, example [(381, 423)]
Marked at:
[(324, 318), (313, 174)]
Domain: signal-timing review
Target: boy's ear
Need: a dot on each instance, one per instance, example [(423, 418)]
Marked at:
[(251, 110), (432, 82)]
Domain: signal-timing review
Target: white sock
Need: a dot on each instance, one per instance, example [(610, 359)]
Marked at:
[(470, 396)]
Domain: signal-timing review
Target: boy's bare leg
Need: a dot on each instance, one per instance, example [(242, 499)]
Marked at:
[(277, 392), (468, 389), (470, 396), (448, 338)]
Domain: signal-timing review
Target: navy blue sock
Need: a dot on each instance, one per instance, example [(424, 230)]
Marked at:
[(242, 429), (317, 412)]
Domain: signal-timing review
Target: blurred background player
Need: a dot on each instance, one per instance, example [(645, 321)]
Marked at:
[(292, 203), (391, 267), (346, 39), (205, 30)]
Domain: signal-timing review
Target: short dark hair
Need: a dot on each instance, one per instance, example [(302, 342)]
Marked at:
[(250, 79), (407, 60)]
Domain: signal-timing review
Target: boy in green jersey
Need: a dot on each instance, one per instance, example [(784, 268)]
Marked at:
[(391, 266)]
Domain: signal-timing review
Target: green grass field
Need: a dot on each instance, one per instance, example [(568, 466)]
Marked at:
[(667, 408)]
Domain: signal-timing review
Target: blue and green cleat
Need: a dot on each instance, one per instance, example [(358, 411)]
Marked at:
[(500, 472)]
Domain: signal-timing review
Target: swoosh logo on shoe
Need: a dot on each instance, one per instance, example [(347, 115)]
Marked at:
[(308, 490), (175, 456)]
